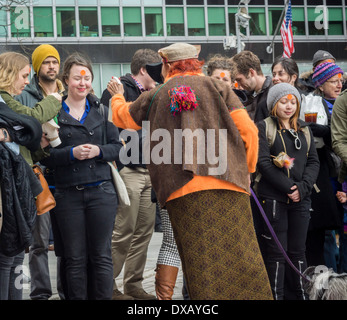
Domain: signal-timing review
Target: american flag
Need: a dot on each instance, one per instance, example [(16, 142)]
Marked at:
[(287, 33)]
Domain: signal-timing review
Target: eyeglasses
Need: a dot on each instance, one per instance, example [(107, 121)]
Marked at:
[(336, 82), (297, 141)]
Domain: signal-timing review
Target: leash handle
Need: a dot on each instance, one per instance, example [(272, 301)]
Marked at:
[(275, 237)]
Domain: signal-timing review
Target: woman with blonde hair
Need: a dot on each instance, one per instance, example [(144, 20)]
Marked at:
[(14, 73)]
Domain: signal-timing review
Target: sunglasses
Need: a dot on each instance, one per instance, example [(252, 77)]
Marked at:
[(297, 141)]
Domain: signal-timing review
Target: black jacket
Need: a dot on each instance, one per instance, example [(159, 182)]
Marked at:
[(131, 93), (276, 182), (68, 172), (19, 186)]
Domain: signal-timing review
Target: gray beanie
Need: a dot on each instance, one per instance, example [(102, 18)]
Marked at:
[(280, 90), (321, 55)]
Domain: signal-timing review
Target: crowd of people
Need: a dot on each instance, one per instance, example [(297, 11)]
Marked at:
[(281, 135)]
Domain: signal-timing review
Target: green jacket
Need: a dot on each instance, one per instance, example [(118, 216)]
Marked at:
[(339, 131), (43, 111)]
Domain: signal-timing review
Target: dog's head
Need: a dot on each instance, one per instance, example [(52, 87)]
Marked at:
[(325, 284)]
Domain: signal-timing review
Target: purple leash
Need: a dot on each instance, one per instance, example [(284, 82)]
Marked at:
[(275, 237)]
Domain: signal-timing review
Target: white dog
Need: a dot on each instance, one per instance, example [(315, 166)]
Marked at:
[(325, 284)]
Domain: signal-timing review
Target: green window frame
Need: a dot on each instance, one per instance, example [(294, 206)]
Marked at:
[(88, 21), (3, 24), (231, 18), (66, 22), (216, 21), (257, 23), (298, 25), (132, 21), (43, 21), (274, 16), (154, 21), (20, 21), (175, 21), (110, 21), (335, 21), (196, 21)]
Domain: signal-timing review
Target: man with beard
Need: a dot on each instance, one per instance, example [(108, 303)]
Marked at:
[(46, 63)]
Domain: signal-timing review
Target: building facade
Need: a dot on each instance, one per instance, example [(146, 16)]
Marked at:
[(110, 31)]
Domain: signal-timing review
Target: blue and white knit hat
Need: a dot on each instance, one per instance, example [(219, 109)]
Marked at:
[(324, 72)]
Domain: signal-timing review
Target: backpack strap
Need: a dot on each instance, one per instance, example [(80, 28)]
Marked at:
[(271, 130)]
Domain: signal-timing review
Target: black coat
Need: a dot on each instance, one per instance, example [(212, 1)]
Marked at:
[(326, 210), (276, 182), (68, 172), (19, 186)]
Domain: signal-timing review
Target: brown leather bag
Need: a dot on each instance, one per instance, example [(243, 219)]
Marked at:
[(45, 200)]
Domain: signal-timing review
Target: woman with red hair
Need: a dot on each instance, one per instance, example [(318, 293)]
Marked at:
[(206, 192)]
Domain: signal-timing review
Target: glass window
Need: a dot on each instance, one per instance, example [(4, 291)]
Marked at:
[(154, 22), (109, 70), (297, 2), (87, 2), (132, 21), (96, 85), (196, 22), (20, 21), (177, 2), (3, 23), (88, 21), (109, 2), (110, 22), (257, 23), (174, 21), (335, 21), (215, 2), (43, 2), (195, 2), (216, 21), (314, 2), (274, 17), (231, 18), (66, 22), (315, 22), (152, 2), (298, 25), (43, 22)]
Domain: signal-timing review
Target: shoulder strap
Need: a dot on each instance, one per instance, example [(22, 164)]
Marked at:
[(270, 129), (307, 134), (101, 110)]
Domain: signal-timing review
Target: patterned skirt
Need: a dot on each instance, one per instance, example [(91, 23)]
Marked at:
[(219, 252)]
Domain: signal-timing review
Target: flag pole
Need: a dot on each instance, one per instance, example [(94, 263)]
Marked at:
[(269, 48)]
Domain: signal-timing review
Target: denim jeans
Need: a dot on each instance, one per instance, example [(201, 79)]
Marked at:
[(85, 219), (290, 223), (11, 283)]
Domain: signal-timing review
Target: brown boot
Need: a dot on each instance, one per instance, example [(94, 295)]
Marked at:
[(165, 280)]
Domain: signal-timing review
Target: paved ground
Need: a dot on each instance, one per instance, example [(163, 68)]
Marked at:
[(149, 274)]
